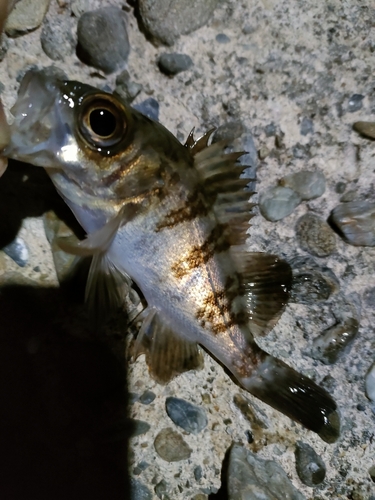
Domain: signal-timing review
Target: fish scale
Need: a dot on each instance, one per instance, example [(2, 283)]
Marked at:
[(173, 219)]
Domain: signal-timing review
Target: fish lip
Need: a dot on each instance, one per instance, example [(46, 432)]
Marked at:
[(39, 128)]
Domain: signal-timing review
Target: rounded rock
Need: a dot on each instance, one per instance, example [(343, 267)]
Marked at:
[(170, 446), (26, 16), (103, 39), (355, 222), (189, 417), (57, 39), (165, 21), (370, 383), (309, 465), (278, 202), (309, 185), (355, 103), (315, 236), (147, 397), (172, 64)]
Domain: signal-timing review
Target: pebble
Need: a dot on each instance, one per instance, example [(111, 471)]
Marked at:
[(172, 64), (139, 491), (250, 477), (370, 383), (170, 446), (161, 489), (355, 222), (315, 236), (309, 465), (26, 16), (126, 88), (278, 202), (103, 39), (229, 131), (355, 103), (17, 251), (308, 184), (198, 473), (78, 7), (189, 417), (349, 196), (371, 471), (335, 341), (270, 130), (311, 282), (57, 38), (139, 427), (165, 23), (222, 38), (147, 397), (366, 129), (149, 107), (307, 126)]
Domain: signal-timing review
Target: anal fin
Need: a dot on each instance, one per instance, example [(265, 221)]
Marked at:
[(266, 280), (167, 353)]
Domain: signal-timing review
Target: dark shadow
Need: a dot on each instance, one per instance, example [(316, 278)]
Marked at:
[(64, 428), (27, 191), (222, 494), (63, 416)]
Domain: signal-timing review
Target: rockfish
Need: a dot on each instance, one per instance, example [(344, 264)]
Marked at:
[(173, 219)]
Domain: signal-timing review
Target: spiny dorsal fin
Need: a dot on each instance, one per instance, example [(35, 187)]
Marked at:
[(223, 184), (167, 353), (266, 280)]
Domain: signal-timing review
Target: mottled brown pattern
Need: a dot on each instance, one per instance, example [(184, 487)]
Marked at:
[(200, 254), (196, 205)]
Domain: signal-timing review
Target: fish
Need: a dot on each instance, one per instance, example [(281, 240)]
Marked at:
[(172, 218)]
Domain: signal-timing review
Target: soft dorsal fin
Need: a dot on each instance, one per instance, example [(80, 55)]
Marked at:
[(167, 353), (223, 184), (266, 281)]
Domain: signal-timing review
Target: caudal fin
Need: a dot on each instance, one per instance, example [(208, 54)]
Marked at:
[(295, 395)]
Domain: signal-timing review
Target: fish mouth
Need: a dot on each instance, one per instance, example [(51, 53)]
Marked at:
[(41, 124)]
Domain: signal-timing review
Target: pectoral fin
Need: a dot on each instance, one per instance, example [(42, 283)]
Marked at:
[(267, 281), (167, 353)]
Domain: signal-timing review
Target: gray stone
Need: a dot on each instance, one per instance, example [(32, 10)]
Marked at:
[(189, 417), (78, 7), (307, 126), (147, 397), (17, 251), (125, 88), (139, 427), (308, 184), (165, 21), (349, 196), (222, 38), (198, 473), (161, 489), (57, 38), (311, 283), (26, 16), (149, 107), (139, 491), (170, 446), (252, 478), (370, 383), (315, 236), (270, 130), (309, 465), (355, 103), (229, 131), (172, 64), (355, 222), (278, 202), (103, 39)]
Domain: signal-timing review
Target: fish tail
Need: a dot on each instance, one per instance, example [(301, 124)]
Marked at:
[(295, 395)]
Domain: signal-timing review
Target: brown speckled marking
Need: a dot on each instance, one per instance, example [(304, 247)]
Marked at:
[(201, 254), (195, 206)]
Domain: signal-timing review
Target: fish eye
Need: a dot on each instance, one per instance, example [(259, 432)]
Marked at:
[(101, 122)]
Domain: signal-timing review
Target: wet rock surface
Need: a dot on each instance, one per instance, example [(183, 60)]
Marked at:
[(103, 39), (315, 236)]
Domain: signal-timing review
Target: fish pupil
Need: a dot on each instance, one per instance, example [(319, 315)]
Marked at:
[(102, 122)]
